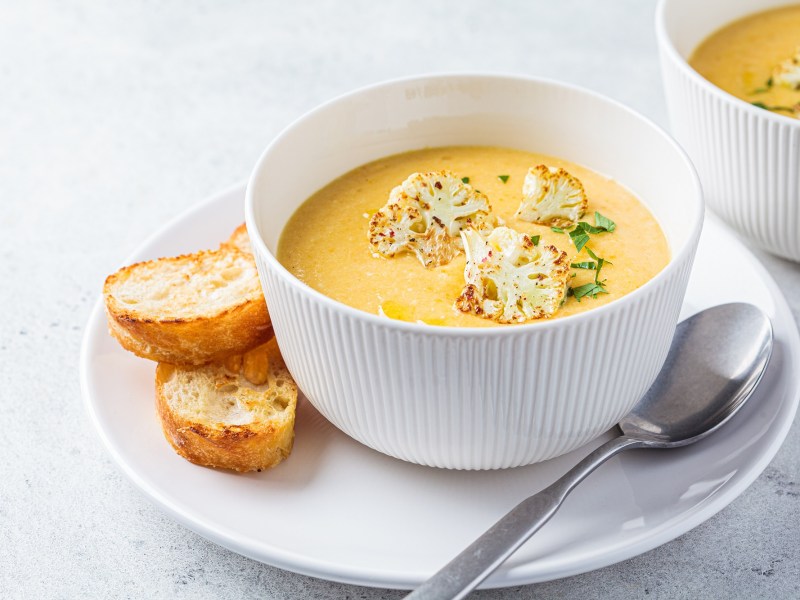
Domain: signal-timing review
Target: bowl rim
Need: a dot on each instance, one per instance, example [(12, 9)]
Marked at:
[(619, 304), (666, 45)]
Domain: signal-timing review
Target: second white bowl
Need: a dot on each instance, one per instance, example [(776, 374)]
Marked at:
[(748, 158)]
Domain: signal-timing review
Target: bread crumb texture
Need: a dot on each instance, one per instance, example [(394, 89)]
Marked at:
[(189, 309), (186, 287)]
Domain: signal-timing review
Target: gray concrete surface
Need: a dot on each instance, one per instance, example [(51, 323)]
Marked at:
[(116, 117)]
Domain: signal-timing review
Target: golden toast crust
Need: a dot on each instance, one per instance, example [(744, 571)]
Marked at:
[(254, 446), (223, 394), (211, 334), (240, 240)]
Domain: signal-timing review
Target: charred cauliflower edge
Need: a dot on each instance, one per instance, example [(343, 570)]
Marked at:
[(509, 279), (787, 73), (425, 215), (551, 196)]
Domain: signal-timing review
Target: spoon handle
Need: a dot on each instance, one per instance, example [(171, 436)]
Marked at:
[(462, 574)]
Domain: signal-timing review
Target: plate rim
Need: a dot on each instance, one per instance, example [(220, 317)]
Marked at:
[(304, 565)]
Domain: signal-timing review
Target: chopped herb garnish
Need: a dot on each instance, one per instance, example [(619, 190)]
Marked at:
[(588, 289), (465, 180), (600, 263), (583, 225), (767, 87), (603, 222), (592, 254), (602, 225), (789, 109), (503, 178), (535, 239), (591, 266), (579, 237)]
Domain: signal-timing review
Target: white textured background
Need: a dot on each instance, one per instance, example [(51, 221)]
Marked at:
[(115, 118)]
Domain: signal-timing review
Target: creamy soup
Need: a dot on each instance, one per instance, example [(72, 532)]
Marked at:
[(742, 59), (325, 243)]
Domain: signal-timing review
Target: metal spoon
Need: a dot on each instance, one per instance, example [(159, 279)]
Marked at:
[(715, 362)]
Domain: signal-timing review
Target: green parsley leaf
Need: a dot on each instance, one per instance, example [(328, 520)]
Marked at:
[(585, 227), (603, 222), (590, 253), (594, 256), (535, 239), (503, 178), (465, 180), (602, 225), (557, 229), (600, 263), (767, 87), (579, 237), (789, 109), (591, 266), (588, 289)]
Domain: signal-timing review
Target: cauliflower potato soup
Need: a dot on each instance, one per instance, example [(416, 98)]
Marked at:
[(473, 236), (757, 59)]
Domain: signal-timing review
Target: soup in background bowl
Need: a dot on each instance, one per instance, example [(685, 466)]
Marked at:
[(473, 397), (756, 59)]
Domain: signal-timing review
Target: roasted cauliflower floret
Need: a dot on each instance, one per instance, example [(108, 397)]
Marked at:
[(551, 196), (787, 73), (425, 215), (509, 279)]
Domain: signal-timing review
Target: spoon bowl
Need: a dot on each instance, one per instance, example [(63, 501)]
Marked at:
[(716, 360)]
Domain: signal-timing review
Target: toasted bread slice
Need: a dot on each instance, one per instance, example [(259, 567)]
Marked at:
[(240, 240), (189, 309), (238, 416)]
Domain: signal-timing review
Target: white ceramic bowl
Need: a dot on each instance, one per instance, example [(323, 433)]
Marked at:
[(748, 158), (472, 398)]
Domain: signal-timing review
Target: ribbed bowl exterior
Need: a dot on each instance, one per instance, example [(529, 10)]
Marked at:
[(748, 159), (468, 400)]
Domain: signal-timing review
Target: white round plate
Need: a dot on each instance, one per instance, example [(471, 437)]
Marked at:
[(338, 510)]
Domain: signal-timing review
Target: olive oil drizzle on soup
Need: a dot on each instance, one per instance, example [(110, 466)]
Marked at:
[(740, 58), (325, 242)]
